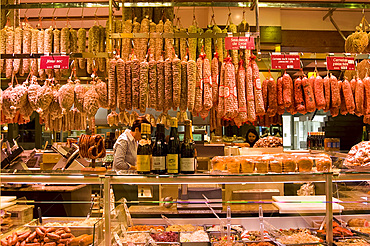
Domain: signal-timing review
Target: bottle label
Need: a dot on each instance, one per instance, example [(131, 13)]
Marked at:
[(172, 163), (143, 163), (159, 163), (187, 164)]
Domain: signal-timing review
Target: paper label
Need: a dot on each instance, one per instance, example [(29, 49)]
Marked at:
[(159, 163), (340, 63), (143, 163), (172, 163), (239, 43), (285, 62), (187, 164)]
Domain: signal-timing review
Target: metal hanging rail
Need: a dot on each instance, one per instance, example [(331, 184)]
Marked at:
[(318, 5)]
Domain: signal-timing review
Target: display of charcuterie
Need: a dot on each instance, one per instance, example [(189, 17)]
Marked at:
[(152, 73)]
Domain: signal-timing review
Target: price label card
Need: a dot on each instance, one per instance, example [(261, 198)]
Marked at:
[(246, 43), (285, 62), (54, 62), (242, 43), (232, 43), (340, 63)]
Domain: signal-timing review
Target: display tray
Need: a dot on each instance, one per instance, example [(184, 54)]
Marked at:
[(195, 243), (300, 244), (135, 227), (76, 229), (209, 228), (255, 243), (224, 243), (352, 241), (156, 243), (358, 231)]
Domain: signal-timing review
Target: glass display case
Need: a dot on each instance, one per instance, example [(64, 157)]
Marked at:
[(255, 201)]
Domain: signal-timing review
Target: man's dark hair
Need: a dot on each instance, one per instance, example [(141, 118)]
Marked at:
[(137, 123)]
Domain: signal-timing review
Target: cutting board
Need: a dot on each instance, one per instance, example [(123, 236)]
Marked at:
[(304, 204)]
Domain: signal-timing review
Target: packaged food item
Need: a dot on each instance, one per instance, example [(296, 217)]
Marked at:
[(289, 164), (323, 163), (304, 163), (332, 144), (233, 164), (218, 163), (247, 165), (262, 166), (276, 166)]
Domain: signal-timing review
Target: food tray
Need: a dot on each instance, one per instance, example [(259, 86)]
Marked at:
[(195, 243), (267, 237), (178, 236), (352, 241), (217, 234), (359, 232), (300, 244), (157, 243), (195, 227), (76, 230), (232, 230), (256, 242), (164, 226), (241, 242)]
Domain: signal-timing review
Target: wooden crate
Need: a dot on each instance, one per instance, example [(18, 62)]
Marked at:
[(21, 214)]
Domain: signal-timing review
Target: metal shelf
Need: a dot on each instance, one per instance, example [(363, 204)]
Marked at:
[(316, 5)]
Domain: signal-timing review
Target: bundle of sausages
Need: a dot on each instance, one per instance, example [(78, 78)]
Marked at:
[(47, 237), (91, 146)]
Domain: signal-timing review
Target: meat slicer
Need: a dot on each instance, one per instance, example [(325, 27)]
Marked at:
[(71, 158), (9, 155)]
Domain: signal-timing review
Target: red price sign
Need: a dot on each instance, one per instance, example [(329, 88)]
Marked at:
[(285, 62), (340, 63), (54, 62), (232, 43), (246, 43), (239, 43)]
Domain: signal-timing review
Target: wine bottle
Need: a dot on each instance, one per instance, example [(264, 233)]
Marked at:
[(309, 140), (144, 150), (159, 151), (108, 141), (172, 159), (187, 160)]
